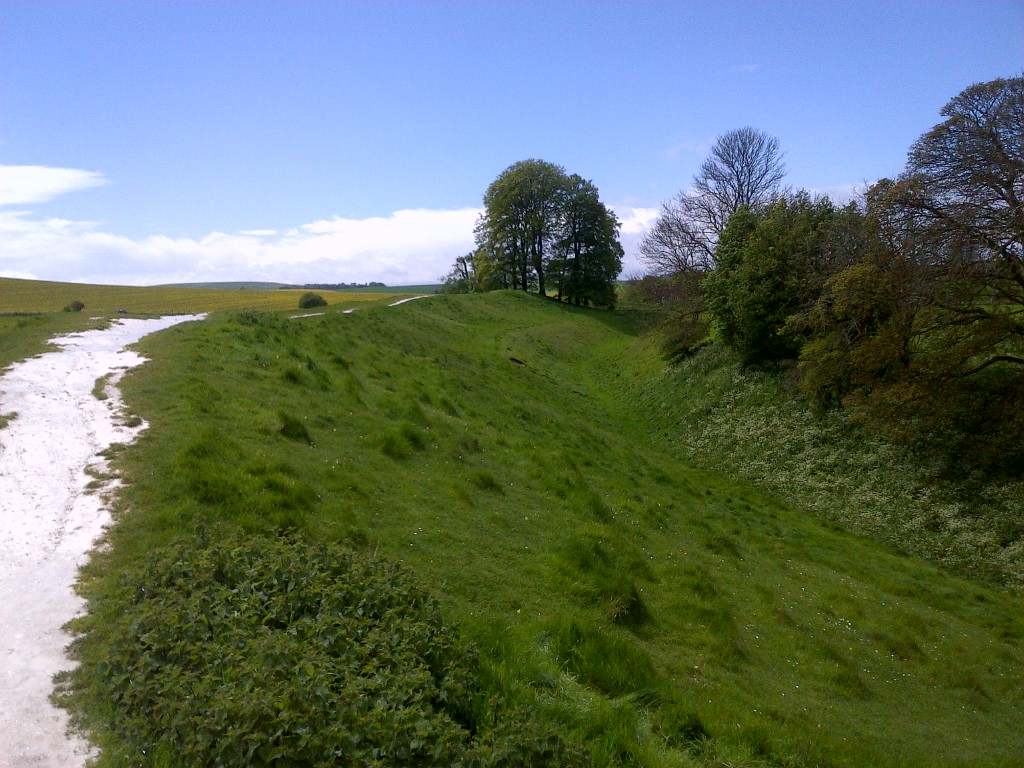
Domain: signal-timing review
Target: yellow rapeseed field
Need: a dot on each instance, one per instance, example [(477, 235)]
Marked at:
[(43, 296)]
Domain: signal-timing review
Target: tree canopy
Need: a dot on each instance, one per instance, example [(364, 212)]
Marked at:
[(545, 230), (745, 168)]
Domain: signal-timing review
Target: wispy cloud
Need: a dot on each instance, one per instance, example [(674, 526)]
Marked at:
[(744, 69), (841, 194), (405, 247), (31, 184), (689, 147)]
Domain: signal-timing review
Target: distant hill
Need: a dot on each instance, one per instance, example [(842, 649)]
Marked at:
[(227, 286)]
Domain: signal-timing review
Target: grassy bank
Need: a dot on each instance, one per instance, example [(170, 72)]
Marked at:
[(748, 423), (658, 615)]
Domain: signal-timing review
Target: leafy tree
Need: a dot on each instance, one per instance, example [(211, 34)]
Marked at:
[(590, 256), (542, 228), (520, 222), (769, 266), (922, 336), (964, 184)]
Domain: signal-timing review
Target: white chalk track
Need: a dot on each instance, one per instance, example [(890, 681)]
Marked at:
[(49, 522)]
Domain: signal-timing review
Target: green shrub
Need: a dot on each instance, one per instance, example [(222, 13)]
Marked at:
[(74, 306), (311, 300), (274, 651)]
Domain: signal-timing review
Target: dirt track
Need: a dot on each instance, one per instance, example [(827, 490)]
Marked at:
[(48, 523)]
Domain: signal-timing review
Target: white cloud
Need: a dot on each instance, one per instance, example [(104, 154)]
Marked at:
[(406, 247), (841, 194), (744, 68), (403, 248), (635, 223), (689, 146), (27, 184)]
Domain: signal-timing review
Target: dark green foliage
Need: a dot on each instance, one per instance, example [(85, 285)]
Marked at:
[(74, 306), (921, 336), (311, 300), (768, 267), (542, 228), (588, 256), (254, 652)]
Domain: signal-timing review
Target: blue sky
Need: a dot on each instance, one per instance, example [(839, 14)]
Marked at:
[(147, 142)]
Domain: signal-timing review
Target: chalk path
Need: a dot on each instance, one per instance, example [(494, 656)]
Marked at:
[(49, 522)]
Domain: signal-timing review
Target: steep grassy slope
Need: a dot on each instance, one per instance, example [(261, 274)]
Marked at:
[(662, 615), (746, 422)]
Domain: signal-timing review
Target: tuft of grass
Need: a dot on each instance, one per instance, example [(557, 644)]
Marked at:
[(293, 428), (101, 389)]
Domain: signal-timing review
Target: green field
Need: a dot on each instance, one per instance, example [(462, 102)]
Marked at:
[(31, 311), (502, 448)]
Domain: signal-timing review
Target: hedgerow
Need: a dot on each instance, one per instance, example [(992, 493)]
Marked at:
[(277, 652)]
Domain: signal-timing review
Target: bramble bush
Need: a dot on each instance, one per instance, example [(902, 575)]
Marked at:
[(311, 300), (274, 651)]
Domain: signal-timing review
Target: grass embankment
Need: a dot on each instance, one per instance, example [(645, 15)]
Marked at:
[(664, 616), (751, 424)]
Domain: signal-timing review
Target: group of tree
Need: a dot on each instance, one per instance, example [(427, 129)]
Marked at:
[(745, 170), (543, 230), (906, 306)]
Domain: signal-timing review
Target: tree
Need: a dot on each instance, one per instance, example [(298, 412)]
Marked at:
[(769, 267), (964, 185), (923, 336), (461, 277), (542, 228), (590, 256), (521, 219), (745, 168)]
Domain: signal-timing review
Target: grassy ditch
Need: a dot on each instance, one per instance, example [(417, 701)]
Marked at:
[(749, 423), (649, 613)]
